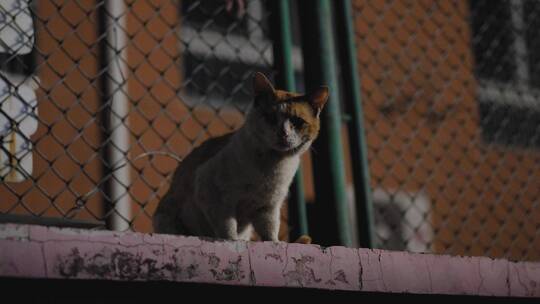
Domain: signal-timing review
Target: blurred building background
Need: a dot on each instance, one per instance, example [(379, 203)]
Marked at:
[(450, 96)]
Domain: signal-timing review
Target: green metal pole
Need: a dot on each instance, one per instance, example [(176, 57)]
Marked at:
[(282, 39), (319, 53), (353, 105)]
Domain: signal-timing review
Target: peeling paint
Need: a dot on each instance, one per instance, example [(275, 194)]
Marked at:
[(341, 276), (274, 256), (123, 265), (232, 272), (13, 232), (71, 265), (213, 260), (303, 274), (39, 252)]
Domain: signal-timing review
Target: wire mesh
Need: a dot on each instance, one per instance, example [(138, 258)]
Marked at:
[(451, 103), (183, 71), (450, 92)]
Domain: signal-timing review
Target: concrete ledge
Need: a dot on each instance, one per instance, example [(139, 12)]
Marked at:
[(40, 252)]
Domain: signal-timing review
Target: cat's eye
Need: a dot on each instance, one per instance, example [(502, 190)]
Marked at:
[(297, 122)]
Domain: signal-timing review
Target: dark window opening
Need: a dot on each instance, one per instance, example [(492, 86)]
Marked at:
[(509, 125), (219, 80), (505, 42), (532, 36), (493, 39), (212, 15)]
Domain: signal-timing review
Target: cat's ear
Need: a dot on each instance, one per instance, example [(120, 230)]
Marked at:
[(318, 98), (261, 85)]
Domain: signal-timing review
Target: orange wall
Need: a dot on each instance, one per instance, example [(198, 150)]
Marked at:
[(422, 124)]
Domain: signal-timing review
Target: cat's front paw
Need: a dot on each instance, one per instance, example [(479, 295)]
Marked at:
[(303, 239)]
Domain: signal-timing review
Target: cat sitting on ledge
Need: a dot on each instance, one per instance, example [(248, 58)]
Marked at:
[(236, 183)]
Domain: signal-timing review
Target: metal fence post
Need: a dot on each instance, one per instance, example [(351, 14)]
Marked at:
[(282, 39), (329, 169), (353, 106), (114, 113)]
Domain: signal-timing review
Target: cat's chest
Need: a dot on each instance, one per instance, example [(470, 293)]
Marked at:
[(264, 185), (255, 182)]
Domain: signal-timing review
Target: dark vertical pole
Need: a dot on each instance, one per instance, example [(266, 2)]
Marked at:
[(331, 223), (104, 112), (353, 105), (282, 42)]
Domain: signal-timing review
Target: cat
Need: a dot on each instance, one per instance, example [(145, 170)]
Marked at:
[(237, 182)]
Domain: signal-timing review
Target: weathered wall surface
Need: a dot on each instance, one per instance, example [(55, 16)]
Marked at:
[(40, 252)]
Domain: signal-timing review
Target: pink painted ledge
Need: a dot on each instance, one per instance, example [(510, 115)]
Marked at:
[(41, 252)]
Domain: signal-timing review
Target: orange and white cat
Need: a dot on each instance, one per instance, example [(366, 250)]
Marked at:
[(236, 182)]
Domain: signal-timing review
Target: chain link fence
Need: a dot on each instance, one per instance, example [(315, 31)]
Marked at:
[(452, 108), (99, 98), (95, 112)]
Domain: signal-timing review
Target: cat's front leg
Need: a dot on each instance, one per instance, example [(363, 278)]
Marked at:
[(226, 228), (223, 222), (219, 214), (266, 223)]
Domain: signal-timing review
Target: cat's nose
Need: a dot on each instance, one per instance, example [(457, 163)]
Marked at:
[(282, 136)]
